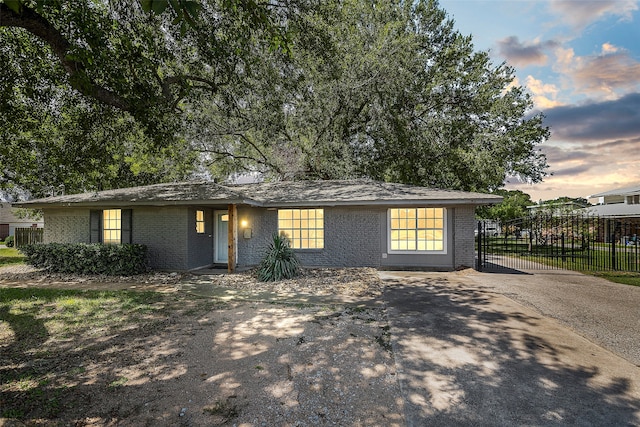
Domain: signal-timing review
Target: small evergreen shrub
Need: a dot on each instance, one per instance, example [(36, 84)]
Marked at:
[(81, 258), (279, 262), (9, 241)]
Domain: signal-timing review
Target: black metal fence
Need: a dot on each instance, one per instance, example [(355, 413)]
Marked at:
[(574, 242)]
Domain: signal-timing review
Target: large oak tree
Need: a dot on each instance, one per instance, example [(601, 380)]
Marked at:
[(292, 89), (94, 93), (395, 93)]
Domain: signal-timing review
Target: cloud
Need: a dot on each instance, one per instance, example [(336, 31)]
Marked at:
[(608, 48), (544, 94), (556, 154), (573, 171), (587, 168), (524, 54), (580, 14), (609, 72), (620, 143), (597, 121)]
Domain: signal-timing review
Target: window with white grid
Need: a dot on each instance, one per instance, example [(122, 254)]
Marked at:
[(417, 230), (303, 227), (111, 226)]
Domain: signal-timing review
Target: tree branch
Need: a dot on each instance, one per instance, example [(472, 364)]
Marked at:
[(37, 25)]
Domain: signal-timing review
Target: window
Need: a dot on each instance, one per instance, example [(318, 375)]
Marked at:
[(200, 222), (303, 227), (111, 226), (417, 230)]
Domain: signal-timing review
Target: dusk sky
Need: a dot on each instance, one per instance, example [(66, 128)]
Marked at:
[(580, 61)]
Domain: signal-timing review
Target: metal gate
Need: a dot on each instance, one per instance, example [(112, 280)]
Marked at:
[(545, 241)]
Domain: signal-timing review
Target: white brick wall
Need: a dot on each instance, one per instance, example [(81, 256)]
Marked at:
[(464, 239)]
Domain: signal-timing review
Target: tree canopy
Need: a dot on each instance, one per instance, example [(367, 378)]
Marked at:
[(513, 206), (94, 94), (378, 89), (115, 93)]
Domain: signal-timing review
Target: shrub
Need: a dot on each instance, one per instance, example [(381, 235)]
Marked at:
[(9, 241), (81, 258), (279, 262)]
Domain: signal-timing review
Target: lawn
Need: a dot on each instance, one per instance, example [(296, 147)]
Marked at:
[(600, 258), (618, 277), (45, 335), (10, 256)]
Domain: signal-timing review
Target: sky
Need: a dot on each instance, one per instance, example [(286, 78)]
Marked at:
[(580, 61)]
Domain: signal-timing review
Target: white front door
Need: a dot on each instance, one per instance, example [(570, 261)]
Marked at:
[(221, 252)]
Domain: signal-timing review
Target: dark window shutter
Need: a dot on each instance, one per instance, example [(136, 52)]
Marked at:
[(95, 225), (126, 217)]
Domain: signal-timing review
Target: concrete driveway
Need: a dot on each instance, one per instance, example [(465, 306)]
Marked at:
[(468, 355)]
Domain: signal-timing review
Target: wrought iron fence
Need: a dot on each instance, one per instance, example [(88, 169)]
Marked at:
[(574, 242)]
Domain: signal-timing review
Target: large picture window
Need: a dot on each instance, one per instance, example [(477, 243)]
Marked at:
[(417, 230), (303, 227), (111, 226)]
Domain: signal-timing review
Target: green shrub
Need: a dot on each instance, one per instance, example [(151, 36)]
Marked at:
[(81, 258), (9, 241), (279, 262)]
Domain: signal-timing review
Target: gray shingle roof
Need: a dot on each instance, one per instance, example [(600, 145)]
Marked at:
[(270, 194)]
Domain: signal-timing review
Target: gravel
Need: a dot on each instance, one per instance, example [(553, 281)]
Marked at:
[(213, 363)]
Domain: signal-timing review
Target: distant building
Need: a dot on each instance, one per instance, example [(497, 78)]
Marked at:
[(622, 202), (557, 207), (10, 220), (621, 208)]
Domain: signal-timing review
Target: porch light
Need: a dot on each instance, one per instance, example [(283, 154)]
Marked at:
[(244, 223)]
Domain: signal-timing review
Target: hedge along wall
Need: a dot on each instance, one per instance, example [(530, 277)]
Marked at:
[(82, 258)]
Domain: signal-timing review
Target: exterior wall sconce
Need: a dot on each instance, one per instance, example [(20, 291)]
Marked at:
[(247, 232)]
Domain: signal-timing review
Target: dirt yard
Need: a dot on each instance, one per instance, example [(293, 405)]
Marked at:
[(200, 362)]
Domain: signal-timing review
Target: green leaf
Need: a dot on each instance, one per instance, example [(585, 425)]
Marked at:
[(146, 5), (15, 5)]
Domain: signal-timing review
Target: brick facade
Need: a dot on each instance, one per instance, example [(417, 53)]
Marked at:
[(354, 236), (163, 231), (66, 226), (464, 237)]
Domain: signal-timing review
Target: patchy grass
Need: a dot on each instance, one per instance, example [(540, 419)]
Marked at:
[(626, 278), (9, 256), (47, 336)]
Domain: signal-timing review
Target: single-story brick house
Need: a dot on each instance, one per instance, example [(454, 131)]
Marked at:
[(191, 225)]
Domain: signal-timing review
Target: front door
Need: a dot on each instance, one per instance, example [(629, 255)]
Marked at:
[(221, 255)]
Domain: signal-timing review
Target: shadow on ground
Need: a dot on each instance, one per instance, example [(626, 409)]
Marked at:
[(472, 358)]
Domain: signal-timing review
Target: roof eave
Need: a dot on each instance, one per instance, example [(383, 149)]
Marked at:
[(403, 202), (122, 203)]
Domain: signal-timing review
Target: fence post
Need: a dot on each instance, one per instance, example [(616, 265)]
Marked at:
[(479, 260), (612, 241), (562, 248)]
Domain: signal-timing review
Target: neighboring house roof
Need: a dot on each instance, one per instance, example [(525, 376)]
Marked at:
[(270, 194), (614, 210), (551, 205), (8, 215), (628, 191)]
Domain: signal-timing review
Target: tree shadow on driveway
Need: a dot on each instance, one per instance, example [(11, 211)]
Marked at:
[(467, 357)]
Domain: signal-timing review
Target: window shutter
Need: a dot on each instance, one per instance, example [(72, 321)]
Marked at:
[(126, 222), (95, 226)]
